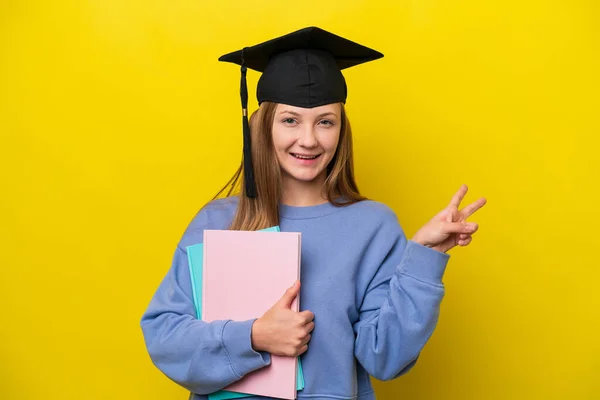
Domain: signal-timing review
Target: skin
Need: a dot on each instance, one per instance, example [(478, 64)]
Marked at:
[(316, 131), (308, 132)]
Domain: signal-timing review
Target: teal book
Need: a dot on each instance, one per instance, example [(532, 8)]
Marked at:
[(195, 259)]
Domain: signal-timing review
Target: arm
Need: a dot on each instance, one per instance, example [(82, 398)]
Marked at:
[(400, 307), (401, 303), (202, 357)]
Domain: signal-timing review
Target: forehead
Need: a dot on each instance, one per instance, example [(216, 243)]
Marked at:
[(334, 108)]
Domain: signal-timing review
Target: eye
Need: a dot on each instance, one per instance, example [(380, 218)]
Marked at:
[(288, 121), (326, 122)]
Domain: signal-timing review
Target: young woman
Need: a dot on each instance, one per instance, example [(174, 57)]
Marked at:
[(370, 296)]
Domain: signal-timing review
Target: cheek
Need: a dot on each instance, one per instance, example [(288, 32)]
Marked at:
[(330, 143), (281, 141)]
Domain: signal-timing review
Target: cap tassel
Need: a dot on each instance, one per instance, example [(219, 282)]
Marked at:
[(249, 182)]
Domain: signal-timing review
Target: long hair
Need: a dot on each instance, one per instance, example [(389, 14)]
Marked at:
[(263, 211)]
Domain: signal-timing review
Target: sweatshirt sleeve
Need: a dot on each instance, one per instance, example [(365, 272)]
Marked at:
[(202, 357), (401, 303)]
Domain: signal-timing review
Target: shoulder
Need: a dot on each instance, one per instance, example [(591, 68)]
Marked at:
[(372, 218), (374, 211), (220, 207), (378, 235), (216, 214)]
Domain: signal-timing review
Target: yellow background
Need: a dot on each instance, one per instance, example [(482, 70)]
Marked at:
[(117, 123)]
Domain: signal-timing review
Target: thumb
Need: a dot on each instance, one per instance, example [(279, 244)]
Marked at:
[(458, 227), (289, 295)]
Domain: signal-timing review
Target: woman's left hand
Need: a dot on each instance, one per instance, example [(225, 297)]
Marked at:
[(449, 228)]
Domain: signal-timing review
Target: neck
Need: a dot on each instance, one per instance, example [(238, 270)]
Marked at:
[(303, 194)]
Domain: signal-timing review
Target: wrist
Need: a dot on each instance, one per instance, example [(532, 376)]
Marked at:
[(420, 241), (429, 245), (256, 336), (439, 249)]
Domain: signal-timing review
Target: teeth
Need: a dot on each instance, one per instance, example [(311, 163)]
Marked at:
[(305, 157)]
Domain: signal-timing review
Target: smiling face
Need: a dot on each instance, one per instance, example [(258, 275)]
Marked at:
[(306, 139)]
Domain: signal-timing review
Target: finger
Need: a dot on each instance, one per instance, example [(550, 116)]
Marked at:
[(306, 339), (459, 196), (302, 350), (453, 214), (471, 208), (450, 214), (289, 295), (306, 316), (465, 242), (459, 227), (309, 327), (463, 236)]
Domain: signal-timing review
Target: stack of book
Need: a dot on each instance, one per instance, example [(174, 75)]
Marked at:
[(239, 275)]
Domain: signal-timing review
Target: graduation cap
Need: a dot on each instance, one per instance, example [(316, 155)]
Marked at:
[(301, 69)]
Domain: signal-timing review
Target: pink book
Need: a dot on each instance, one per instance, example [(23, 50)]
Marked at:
[(244, 274)]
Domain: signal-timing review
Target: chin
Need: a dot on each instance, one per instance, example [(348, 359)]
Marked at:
[(303, 176)]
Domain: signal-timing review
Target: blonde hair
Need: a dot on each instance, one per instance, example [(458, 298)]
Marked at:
[(263, 211)]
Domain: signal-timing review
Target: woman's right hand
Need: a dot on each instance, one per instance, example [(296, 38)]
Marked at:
[(282, 331)]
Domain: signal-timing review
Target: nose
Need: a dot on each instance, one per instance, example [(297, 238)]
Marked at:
[(308, 136)]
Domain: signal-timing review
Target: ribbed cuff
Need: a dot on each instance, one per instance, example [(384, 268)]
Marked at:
[(423, 263), (237, 341)]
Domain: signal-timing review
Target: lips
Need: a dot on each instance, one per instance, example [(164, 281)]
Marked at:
[(305, 156)]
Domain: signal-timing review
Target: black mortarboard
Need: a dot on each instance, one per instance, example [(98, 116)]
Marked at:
[(301, 69)]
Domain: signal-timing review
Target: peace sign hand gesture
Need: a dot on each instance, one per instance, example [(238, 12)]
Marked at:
[(449, 228)]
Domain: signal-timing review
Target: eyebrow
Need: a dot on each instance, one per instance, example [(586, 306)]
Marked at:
[(318, 116)]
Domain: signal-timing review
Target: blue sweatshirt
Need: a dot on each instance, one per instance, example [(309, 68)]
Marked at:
[(375, 296)]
